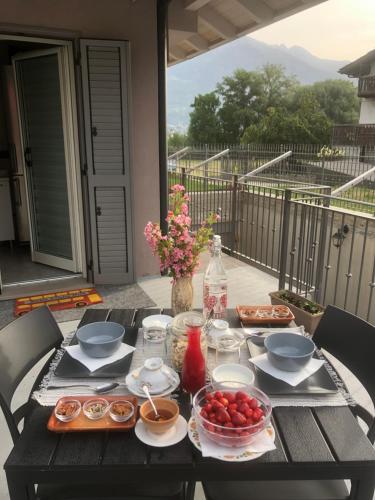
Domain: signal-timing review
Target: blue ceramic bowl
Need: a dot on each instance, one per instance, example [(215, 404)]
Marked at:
[(289, 351), (101, 339)]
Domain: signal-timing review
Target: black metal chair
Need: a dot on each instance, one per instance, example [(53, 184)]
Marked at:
[(352, 341), (23, 343)]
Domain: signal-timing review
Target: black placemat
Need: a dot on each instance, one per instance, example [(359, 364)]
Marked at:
[(318, 383), (71, 368)]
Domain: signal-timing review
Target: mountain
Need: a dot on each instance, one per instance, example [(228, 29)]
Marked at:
[(201, 74)]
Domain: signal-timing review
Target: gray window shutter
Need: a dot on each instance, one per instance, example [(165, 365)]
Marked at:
[(105, 82)]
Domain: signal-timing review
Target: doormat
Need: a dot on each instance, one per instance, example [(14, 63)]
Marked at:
[(70, 299)]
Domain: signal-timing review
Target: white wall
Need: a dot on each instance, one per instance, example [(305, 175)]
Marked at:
[(367, 114), (118, 20)]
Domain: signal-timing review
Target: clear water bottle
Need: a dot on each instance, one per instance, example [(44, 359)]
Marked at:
[(215, 284)]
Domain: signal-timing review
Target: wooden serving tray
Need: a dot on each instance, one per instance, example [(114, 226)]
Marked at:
[(248, 316), (84, 424)]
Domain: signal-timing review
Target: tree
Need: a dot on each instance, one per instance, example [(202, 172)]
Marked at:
[(176, 140), (270, 106), (204, 124), (338, 99), (277, 87), (240, 103), (304, 123)]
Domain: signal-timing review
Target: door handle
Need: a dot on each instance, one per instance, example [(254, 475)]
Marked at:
[(98, 211), (27, 155)]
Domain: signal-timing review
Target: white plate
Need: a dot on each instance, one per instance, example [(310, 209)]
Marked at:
[(133, 383), (229, 454), (173, 436)]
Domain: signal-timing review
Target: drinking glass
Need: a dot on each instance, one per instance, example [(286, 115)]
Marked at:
[(154, 340), (228, 350)]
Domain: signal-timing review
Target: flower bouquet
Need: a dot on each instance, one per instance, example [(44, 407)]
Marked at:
[(179, 249)]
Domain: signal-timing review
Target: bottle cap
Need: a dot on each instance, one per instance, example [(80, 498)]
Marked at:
[(217, 241)]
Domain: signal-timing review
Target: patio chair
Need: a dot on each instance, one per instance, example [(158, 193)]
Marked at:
[(23, 343), (352, 341)]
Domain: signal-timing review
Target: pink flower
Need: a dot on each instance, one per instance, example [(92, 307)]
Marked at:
[(177, 188), (184, 208), (178, 250)]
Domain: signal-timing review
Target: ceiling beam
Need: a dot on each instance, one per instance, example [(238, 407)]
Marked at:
[(257, 9), (217, 22), (177, 52), (195, 4), (197, 42), (180, 19)]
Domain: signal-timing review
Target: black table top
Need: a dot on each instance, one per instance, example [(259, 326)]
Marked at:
[(321, 442)]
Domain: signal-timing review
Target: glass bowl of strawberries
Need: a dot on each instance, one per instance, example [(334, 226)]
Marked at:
[(231, 413)]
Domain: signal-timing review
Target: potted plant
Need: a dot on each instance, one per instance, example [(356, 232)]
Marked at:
[(306, 312), (178, 250)]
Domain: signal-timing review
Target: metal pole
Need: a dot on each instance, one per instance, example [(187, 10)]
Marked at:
[(266, 165), (179, 154), (322, 244), (353, 182), (162, 29), (284, 239), (233, 214), (218, 155)]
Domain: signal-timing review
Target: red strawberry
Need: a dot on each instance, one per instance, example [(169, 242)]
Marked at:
[(216, 405), (230, 397), (241, 395), (238, 419), (243, 407), (253, 403), (222, 416), (249, 413), (224, 401), (208, 407)]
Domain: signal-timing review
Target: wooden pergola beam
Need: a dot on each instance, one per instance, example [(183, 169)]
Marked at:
[(177, 52), (257, 9), (197, 42), (195, 4), (217, 22)]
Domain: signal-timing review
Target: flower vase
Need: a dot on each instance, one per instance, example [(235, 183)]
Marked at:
[(182, 295)]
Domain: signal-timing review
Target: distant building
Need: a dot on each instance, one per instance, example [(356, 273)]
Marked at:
[(362, 134)]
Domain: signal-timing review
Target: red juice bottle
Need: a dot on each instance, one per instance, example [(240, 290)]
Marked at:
[(194, 366)]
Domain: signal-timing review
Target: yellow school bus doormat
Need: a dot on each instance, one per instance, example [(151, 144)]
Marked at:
[(58, 301)]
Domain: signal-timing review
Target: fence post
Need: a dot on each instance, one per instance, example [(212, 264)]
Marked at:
[(233, 214), (183, 177), (322, 250), (284, 239)]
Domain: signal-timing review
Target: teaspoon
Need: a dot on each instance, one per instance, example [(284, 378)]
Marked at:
[(99, 389), (147, 392)]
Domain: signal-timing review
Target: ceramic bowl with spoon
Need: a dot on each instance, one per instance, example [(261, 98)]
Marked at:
[(168, 413)]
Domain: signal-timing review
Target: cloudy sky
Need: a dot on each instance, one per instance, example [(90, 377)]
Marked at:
[(335, 29)]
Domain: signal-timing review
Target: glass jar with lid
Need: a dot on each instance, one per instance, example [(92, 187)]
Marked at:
[(177, 339)]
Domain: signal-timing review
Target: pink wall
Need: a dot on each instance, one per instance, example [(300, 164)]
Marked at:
[(133, 20)]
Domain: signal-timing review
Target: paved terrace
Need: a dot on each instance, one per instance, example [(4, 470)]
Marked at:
[(246, 285)]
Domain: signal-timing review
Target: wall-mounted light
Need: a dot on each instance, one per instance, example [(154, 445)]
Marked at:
[(340, 235)]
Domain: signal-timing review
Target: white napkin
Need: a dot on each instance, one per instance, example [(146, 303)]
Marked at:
[(260, 444), (254, 330), (291, 378), (95, 363)]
